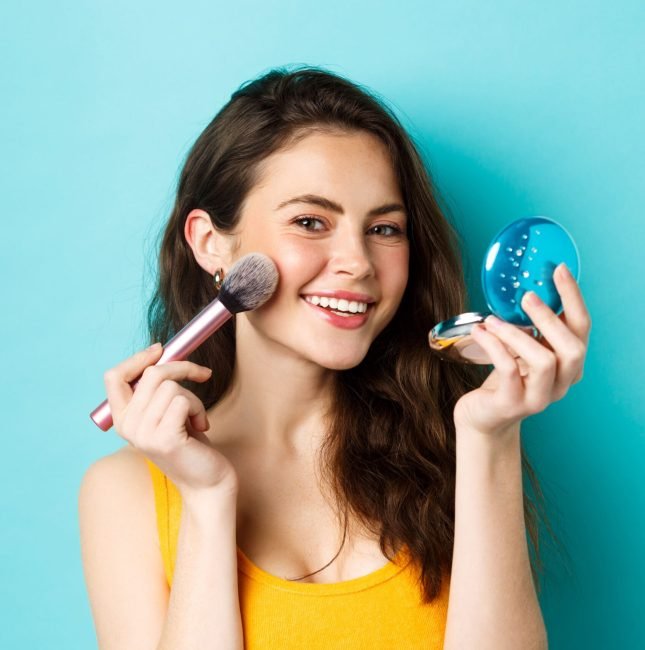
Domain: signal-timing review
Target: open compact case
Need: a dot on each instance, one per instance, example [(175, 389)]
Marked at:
[(521, 257)]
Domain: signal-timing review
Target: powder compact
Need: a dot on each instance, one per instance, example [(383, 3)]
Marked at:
[(521, 257)]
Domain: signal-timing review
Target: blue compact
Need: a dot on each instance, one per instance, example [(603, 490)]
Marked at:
[(521, 257)]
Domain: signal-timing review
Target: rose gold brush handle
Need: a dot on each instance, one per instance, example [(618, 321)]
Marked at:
[(189, 338)]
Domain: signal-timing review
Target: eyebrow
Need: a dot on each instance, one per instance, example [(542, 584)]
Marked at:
[(336, 207)]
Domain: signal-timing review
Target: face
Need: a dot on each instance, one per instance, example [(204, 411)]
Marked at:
[(328, 211)]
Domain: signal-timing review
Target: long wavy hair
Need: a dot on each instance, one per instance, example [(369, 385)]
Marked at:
[(389, 453)]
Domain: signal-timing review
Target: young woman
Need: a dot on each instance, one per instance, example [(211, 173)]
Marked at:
[(331, 483)]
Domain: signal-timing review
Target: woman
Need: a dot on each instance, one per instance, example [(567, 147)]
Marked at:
[(331, 483)]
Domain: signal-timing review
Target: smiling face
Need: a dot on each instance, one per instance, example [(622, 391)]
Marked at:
[(329, 212)]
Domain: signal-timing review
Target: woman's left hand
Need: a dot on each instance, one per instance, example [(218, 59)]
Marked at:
[(543, 371)]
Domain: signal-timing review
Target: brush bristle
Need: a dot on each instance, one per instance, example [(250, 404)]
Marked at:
[(250, 282)]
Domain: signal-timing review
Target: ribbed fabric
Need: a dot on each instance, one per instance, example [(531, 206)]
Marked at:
[(380, 610)]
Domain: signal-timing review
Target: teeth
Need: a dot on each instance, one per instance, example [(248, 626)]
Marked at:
[(341, 304)]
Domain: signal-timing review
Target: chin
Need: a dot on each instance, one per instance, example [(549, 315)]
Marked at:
[(342, 361), (345, 365)]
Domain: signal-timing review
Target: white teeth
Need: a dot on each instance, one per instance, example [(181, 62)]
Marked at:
[(338, 304)]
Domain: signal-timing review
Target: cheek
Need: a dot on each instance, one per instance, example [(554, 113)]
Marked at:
[(297, 262), (294, 257), (394, 272)]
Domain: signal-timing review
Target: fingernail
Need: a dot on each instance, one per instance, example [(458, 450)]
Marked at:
[(564, 272), (153, 346), (492, 321), (531, 298)]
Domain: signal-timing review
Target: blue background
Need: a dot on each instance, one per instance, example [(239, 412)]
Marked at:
[(521, 108)]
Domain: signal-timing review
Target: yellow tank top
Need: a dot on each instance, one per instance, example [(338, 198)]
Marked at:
[(380, 610)]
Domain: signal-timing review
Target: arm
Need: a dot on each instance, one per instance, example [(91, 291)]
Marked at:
[(492, 601), (122, 563), (126, 584), (204, 609)]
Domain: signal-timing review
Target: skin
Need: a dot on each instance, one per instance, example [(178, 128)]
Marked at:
[(491, 563), (553, 363), (287, 353)]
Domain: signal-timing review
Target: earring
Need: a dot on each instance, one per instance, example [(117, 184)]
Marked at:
[(218, 279)]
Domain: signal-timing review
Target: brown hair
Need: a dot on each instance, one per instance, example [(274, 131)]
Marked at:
[(390, 451)]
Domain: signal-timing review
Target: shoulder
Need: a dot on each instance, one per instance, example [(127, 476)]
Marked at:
[(125, 468), (122, 564), (119, 485)]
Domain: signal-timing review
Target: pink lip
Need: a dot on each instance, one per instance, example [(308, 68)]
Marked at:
[(347, 295), (343, 322)]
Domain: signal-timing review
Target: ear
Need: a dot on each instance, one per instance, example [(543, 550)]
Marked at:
[(212, 248)]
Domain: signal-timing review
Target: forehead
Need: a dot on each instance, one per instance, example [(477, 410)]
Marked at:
[(329, 163)]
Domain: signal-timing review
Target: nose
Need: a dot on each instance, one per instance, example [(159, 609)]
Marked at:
[(351, 256)]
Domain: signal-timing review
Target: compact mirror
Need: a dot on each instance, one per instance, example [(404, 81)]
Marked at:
[(521, 257)]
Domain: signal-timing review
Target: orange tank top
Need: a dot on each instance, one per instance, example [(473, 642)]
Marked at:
[(380, 610)]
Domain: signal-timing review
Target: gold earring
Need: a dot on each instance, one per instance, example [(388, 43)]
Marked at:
[(218, 279)]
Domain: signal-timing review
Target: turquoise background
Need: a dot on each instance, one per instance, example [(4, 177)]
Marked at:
[(521, 108)]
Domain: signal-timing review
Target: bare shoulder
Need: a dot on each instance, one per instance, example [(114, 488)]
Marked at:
[(127, 464), (126, 459), (121, 482), (120, 550)]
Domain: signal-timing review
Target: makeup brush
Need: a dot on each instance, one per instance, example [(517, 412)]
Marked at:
[(247, 286)]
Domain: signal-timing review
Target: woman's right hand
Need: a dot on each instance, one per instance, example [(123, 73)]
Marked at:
[(166, 422)]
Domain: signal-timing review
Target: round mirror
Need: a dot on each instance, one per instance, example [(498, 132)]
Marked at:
[(521, 257)]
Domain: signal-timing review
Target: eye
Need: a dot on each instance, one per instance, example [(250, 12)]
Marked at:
[(386, 230), (311, 224)]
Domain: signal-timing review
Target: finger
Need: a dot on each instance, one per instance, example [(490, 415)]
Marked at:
[(153, 377), (198, 434), (521, 364), (117, 379), (169, 430), (159, 404), (538, 384), (575, 313), (191, 448), (174, 421), (505, 363), (569, 350)]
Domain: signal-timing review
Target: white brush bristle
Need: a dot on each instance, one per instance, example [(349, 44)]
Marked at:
[(249, 283)]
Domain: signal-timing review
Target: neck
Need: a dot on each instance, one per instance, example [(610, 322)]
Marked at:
[(276, 400)]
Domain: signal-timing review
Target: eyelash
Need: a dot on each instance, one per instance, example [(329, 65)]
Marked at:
[(300, 221)]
